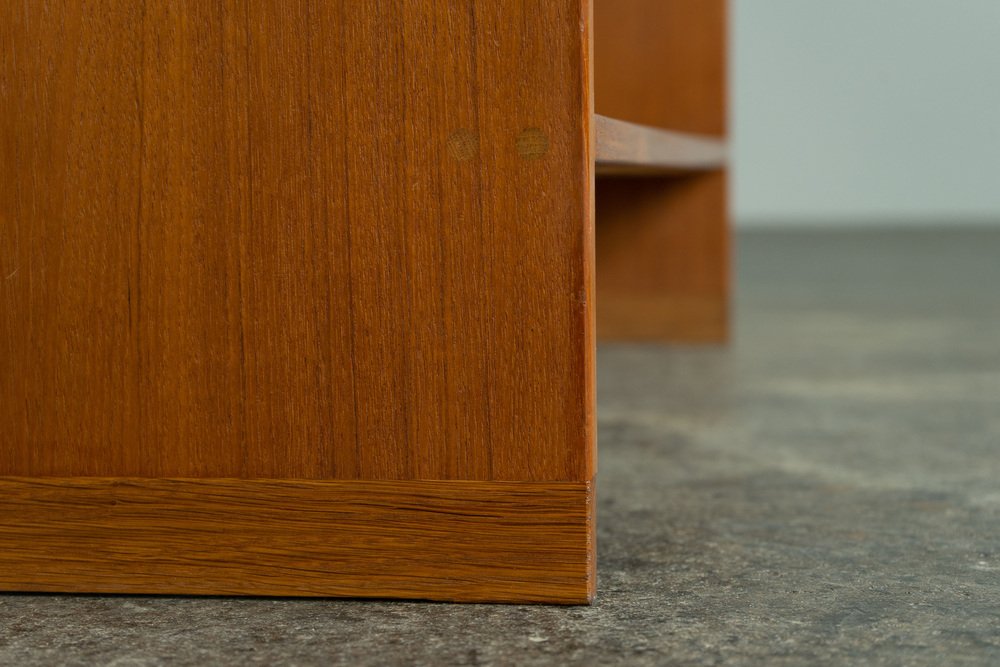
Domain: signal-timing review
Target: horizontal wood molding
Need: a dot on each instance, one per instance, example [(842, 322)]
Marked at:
[(442, 540), (628, 149)]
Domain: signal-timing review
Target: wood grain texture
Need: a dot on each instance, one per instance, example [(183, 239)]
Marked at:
[(662, 63), (316, 240), (630, 149), (450, 540), (663, 251), (663, 244)]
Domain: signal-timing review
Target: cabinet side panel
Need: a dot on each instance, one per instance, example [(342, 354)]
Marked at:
[(186, 318), (69, 210), (296, 240)]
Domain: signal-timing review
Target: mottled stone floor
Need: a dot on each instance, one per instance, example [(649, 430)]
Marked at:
[(826, 490)]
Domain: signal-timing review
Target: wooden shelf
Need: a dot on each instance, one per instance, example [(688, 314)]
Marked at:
[(630, 149)]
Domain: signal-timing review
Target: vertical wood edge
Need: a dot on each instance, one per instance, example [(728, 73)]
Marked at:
[(589, 236)]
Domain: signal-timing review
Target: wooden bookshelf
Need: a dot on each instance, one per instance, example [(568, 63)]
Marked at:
[(301, 298)]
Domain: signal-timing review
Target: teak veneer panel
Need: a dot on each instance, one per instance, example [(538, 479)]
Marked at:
[(294, 239), (449, 540), (267, 268)]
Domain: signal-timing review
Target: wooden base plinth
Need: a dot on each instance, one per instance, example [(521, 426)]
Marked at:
[(441, 540)]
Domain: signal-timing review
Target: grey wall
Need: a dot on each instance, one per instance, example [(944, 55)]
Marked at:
[(865, 111)]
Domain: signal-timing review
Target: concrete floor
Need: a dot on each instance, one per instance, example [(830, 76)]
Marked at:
[(826, 490)]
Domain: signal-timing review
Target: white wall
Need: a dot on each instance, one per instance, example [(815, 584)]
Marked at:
[(865, 111)]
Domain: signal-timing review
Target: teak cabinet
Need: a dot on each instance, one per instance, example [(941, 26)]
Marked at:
[(298, 297)]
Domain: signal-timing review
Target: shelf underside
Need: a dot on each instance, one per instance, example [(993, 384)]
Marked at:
[(629, 149)]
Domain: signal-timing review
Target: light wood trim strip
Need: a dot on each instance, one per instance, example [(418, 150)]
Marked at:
[(441, 540), (627, 149)]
